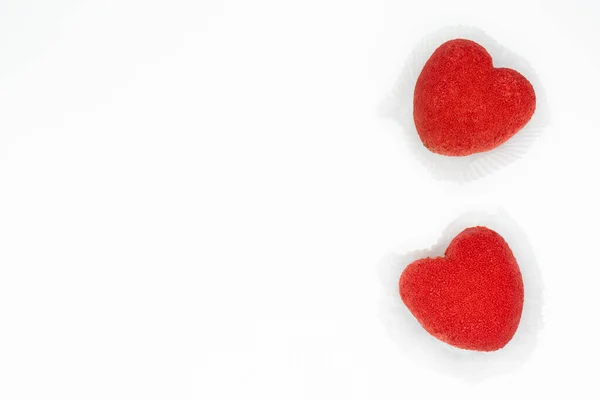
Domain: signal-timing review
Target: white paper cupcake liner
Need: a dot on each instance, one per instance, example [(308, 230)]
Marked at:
[(399, 106), (417, 343)]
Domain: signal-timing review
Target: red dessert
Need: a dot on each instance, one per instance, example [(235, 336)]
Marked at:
[(471, 298), (463, 105)]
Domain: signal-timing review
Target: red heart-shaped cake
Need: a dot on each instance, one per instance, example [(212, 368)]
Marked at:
[(471, 298), (463, 105)]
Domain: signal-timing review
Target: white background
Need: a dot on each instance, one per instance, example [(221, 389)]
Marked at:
[(195, 196)]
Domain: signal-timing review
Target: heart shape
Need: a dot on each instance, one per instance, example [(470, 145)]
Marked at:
[(471, 298), (463, 105)]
